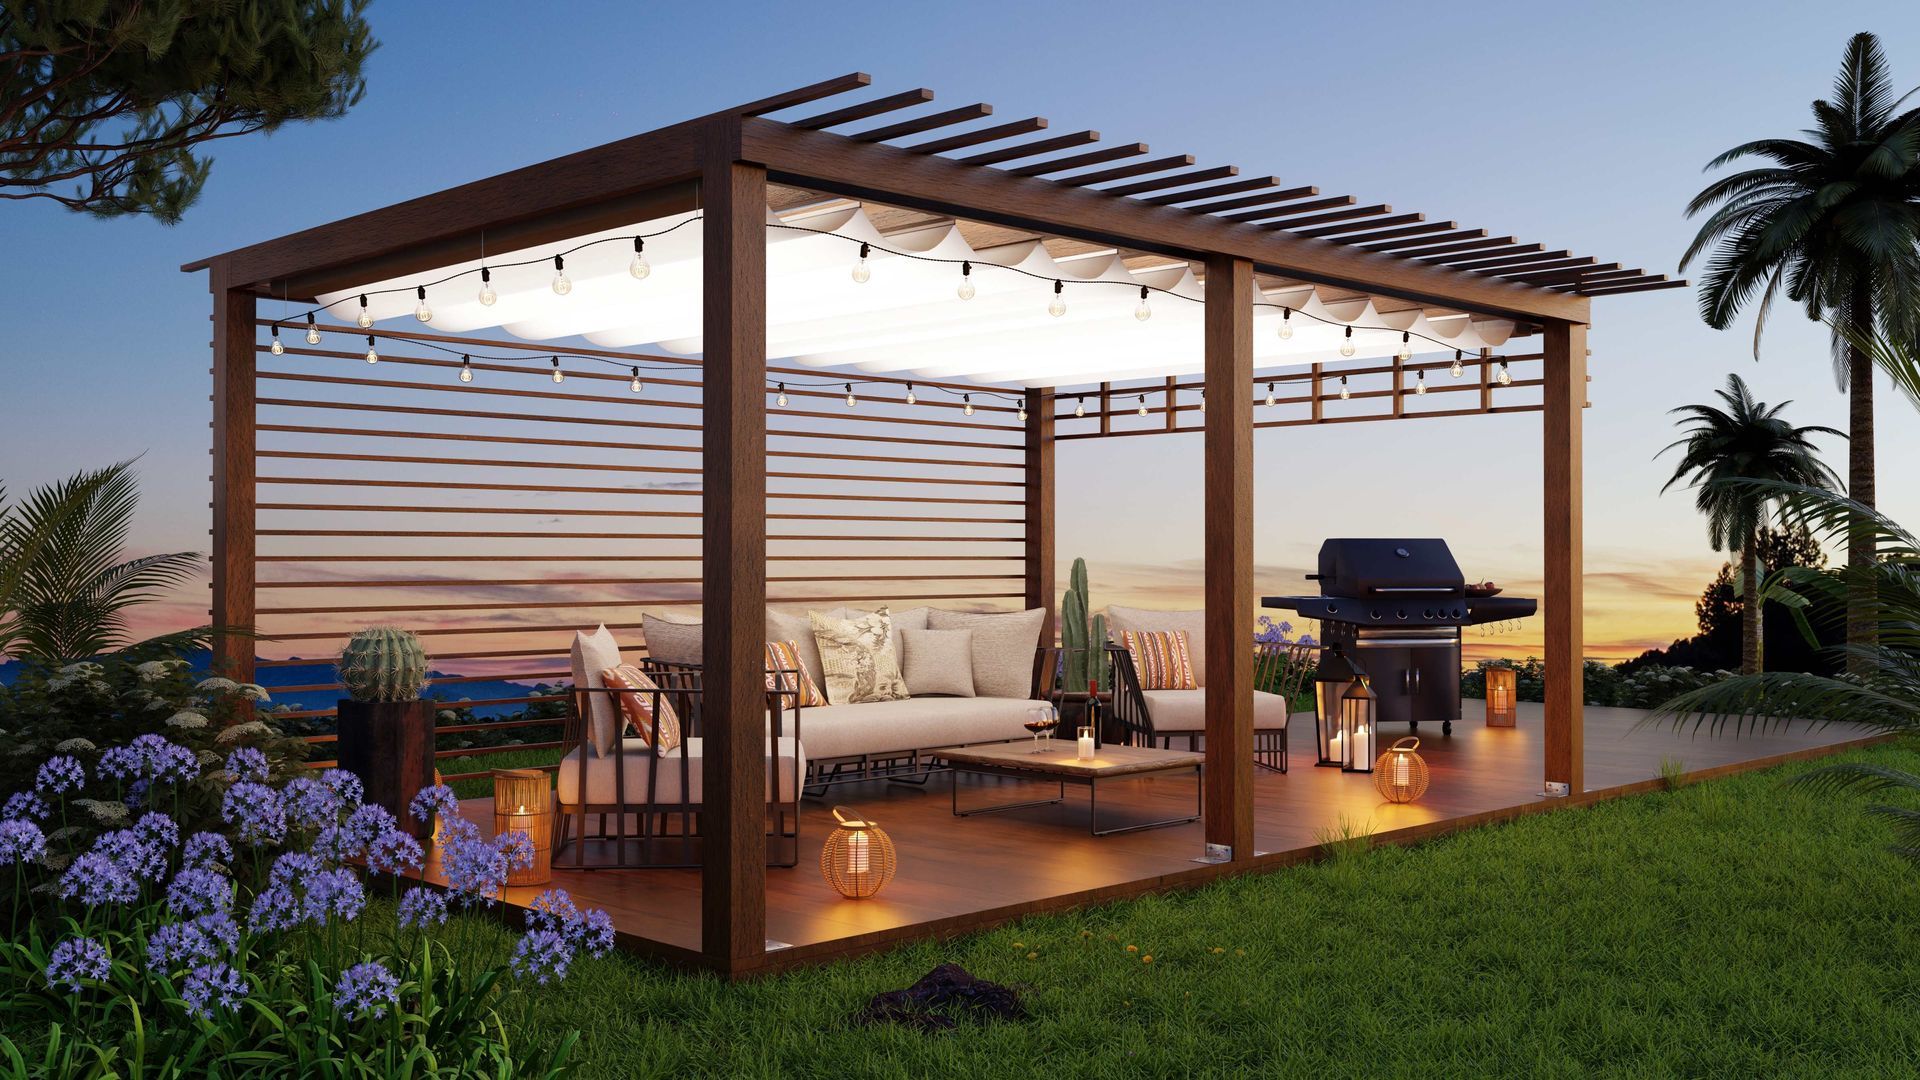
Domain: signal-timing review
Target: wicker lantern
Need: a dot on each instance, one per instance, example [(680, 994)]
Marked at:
[(1401, 775), (1356, 726), (1502, 692), (523, 802), (858, 858)]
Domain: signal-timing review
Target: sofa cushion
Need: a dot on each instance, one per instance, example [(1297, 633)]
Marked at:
[(1003, 647), (635, 758), (637, 705), (592, 654), (913, 618), (783, 626), (1193, 622), (673, 640), (859, 658), (786, 672), (891, 727), (1160, 659), (937, 662), (1181, 711)]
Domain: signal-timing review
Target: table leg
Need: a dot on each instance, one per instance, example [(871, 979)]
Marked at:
[(1093, 810), (957, 812)]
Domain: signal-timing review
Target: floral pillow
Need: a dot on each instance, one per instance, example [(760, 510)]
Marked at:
[(858, 658)]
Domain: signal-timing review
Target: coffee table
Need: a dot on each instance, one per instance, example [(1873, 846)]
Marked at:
[(1060, 764)]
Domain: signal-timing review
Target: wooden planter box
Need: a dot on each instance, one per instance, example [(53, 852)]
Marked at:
[(389, 746)]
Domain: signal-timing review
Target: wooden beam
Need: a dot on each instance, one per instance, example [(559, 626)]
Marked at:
[(1502, 262), (733, 899), (1270, 198), (906, 99), (233, 475), (981, 135), (1228, 517), (1350, 226), (1415, 230), (1612, 289), (1563, 602), (925, 123), (1281, 211), (1462, 254), (1472, 245), (1039, 547), (1328, 218)]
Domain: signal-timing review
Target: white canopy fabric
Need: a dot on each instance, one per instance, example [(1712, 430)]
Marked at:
[(907, 319)]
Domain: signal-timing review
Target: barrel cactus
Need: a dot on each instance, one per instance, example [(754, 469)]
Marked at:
[(1083, 639), (383, 663)]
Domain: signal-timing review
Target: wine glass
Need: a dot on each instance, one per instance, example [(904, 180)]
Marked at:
[(1041, 720)]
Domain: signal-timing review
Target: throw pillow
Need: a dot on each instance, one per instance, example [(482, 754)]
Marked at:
[(672, 641), (937, 662), (1003, 647), (1121, 619), (858, 657), (592, 654), (1160, 658), (785, 672), (638, 694), (798, 630), (913, 618)]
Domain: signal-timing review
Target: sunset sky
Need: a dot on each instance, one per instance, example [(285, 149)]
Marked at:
[(1584, 129)]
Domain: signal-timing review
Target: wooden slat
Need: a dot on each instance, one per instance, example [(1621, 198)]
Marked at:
[(1267, 206), (1079, 161), (1583, 262), (1506, 259), (929, 122), (805, 94), (1128, 171), (1647, 286), (463, 583), (1562, 276), (906, 99), (1415, 230), (1252, 183), (602, 489), (1328, 218), (1030, 149), (1414, 238), (962, 139), (1161, 183), (1350, 226), (1462, 248)]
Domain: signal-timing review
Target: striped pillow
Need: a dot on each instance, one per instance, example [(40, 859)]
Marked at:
[(639, 692), (784, 657), (1160, 658)]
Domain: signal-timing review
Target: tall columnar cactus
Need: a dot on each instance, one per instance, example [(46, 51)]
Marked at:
[(383, 663), (1083, 639)]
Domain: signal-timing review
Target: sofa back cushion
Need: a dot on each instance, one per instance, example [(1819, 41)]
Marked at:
[(785, 673), (937, 662), (859, 658), (1003, 647), (592, 654), (786, 626), (639, 695), (1160, 659), (1122, 619), (672, 640)]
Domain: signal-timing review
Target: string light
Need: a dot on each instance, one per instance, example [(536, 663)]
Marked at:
[(487, 295), (1420, 384), (466, 368), (1079, 407), (276, 348), (639, 267), (1143, 312), (558, 375), (366, 317), (782, 399), (562, 285), (1505, 377), (1286, 324), (420, 310), (1346, 343), (911, 400), (1203, 399), (1406, 347), (313, 330), (968, 398), (850, 401), (862, 273), (965, 291), (1023, 412), (1271, 400), (636, 385), (372, 357), (1058, 306), (1344, 392), (1456, 370), (1143, 404)]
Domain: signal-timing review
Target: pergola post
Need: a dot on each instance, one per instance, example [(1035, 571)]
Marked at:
[(1564, 348), (733, 902), (233, 475), (1039, 552), (1228, 784)]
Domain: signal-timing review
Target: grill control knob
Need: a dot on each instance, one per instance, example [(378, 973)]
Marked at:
[(1375, 614), (1427, 614), (1332, 608), (1401, 614), (1459, 613)]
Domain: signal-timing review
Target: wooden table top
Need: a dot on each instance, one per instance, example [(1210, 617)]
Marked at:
[(1061, 759)]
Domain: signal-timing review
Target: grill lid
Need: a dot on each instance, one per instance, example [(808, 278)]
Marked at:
[(1360, 567)]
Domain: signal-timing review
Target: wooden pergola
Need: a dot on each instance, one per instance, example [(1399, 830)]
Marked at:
[(1004, 178)]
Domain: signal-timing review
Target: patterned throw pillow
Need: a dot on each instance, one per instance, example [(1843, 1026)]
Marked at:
[(1160, 658), (784, 657), (637, 700), (858, 657)]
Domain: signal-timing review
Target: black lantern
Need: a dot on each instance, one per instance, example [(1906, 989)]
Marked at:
[(1335, 673), (1356, 727)]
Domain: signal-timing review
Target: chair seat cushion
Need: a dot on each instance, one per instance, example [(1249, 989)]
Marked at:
[(890, 727), (1182, 711), (636, 757)]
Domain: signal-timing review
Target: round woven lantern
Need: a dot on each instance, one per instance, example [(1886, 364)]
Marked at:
[(523, 802), (1400, 775), (858, 859)]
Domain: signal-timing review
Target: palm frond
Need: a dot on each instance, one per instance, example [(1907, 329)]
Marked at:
[(1856, 776)]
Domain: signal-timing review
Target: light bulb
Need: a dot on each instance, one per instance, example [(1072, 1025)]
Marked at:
[(1080, 407), (965, 292), (862, 273), (1143, 312), (1286, 323), (466, 369), (366, 317), (1203, 399), (1143, 404), (276, 348), (562, 285), (968, 398), (558, 375), (636, 385), (1344, 392), (1506, 377), (420, 310), (639, 268), (1406, 347), (1271, 400), (1023, 412), (1059, 305), (1456, 370), (911, 400), (1420, 384), (372, 357), (1346, 343), (313, 331), (850, 401), (487, 295), (782, 399)]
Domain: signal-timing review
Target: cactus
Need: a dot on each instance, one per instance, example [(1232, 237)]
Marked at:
[(383, 663), (1083, 640)]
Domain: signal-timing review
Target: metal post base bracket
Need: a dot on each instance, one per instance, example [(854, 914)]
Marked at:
[(1557, 790), (1216, 853)]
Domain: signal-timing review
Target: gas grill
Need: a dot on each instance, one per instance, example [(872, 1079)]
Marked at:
[(1392, 610)]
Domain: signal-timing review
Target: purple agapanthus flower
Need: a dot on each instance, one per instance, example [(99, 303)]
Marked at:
[(213, 988), (158, 830), (337, 844), (274, 908), (21, 841), (517, 847), (256, 812), (421, 908), (333, 894), (311, 803), (198, 890), (554, 910), (60, 774), (122, 763), (476, 870), (95, 879), (136, 796), (167, 761), (132, 854), (368, 822), (438, 799), (202, 939), (542, 955), (75, 959), (594, 933), (292, 869), (206, 849), (366, 990), (248, 763), (345, 785), (457, 829), (26, 806), (394, 851)]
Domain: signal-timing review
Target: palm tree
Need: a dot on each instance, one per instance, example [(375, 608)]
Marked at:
[(1746, 440), (1835, 220)]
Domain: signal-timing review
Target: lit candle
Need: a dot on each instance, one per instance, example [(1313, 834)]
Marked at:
[(859, 848), (1333, 748), (1086, 744), (1362, 745), (1402, 771)]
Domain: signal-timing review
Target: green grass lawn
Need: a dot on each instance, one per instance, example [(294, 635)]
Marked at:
[(1732, 928), (482, 787)]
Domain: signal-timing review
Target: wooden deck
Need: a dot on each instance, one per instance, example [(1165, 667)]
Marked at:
[(958, 874)]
